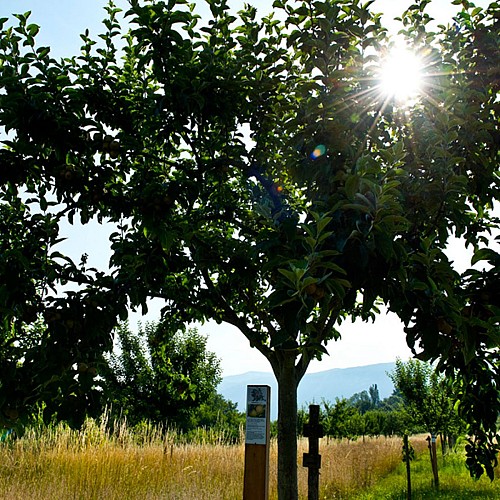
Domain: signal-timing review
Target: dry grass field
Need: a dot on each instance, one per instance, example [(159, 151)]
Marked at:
[(59, 463)]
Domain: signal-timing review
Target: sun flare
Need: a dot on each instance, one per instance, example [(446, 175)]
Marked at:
[(401, 75)]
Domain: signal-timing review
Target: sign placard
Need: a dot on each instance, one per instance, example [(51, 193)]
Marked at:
[(257, 414), (256, 478)]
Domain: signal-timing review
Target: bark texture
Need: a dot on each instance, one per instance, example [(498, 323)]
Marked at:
[(287, 377)]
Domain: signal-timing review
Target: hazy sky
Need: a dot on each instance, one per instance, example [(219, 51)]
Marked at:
[(61, 23)]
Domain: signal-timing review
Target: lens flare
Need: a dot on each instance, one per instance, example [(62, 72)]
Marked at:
[(319, 150)]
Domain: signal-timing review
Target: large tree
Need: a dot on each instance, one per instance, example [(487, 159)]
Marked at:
[(255, 175)]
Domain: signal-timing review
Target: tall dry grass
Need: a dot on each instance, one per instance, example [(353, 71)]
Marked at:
[(60, 463)]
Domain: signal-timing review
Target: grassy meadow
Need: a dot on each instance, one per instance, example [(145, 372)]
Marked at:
[(59, 463), (454, 482)]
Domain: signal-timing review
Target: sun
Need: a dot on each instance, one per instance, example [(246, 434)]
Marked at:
[(401, 75)]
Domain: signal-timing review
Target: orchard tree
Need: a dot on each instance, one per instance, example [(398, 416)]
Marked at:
[(257, 175), (220, 416), (159, 376), (342, 420), (428, 398)]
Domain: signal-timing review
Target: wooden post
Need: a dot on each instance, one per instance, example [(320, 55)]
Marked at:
[(407, 458), (256, 477), (434, 461), (312, 460), (433, 453)]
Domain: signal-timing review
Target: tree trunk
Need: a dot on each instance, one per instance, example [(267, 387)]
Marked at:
[(288, 380)]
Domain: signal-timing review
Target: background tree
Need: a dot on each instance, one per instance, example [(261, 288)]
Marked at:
[(428, 399), (361, 401), (220, 416), (366, 400), (374, 396), (341, 420), (354, 417), (255, 175), (161, 377)]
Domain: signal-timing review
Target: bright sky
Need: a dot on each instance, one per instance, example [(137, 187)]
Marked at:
[(362, 344)]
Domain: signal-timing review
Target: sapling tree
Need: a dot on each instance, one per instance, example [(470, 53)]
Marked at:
[(256, 175), (428, 399)]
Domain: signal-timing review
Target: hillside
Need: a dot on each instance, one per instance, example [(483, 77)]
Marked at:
[(314, 387)]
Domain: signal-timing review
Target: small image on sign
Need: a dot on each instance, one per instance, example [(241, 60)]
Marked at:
[(256, 394), (256, 411)]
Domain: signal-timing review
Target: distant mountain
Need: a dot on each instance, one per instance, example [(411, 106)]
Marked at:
[(314, 387)]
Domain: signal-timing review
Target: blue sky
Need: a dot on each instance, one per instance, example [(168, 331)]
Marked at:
[(61, 23), (63, 20)]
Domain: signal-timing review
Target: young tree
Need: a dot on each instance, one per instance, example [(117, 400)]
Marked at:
[(342, 420), (256, 175), (428, 398)]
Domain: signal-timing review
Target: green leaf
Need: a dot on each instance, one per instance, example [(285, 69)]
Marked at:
[(395, 220), (351, 186), (308, 281), (485, 254), (33, 29), (469, 350), (419, 285), (333, 267), (357, 206), (337, 288), (311, 242), (322, 223), (325, 236), (290, 275)]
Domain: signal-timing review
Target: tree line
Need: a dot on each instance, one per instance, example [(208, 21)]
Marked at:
[(422, 402)]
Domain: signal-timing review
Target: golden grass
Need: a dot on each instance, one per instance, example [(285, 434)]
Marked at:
[(93, 464)]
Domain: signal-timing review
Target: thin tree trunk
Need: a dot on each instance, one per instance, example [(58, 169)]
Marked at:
[(286, 376)]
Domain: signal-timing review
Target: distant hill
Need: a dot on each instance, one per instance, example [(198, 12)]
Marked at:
[(314, 387)]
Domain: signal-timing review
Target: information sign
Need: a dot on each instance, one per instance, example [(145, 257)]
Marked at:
[(257, 414), (256, 478)]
